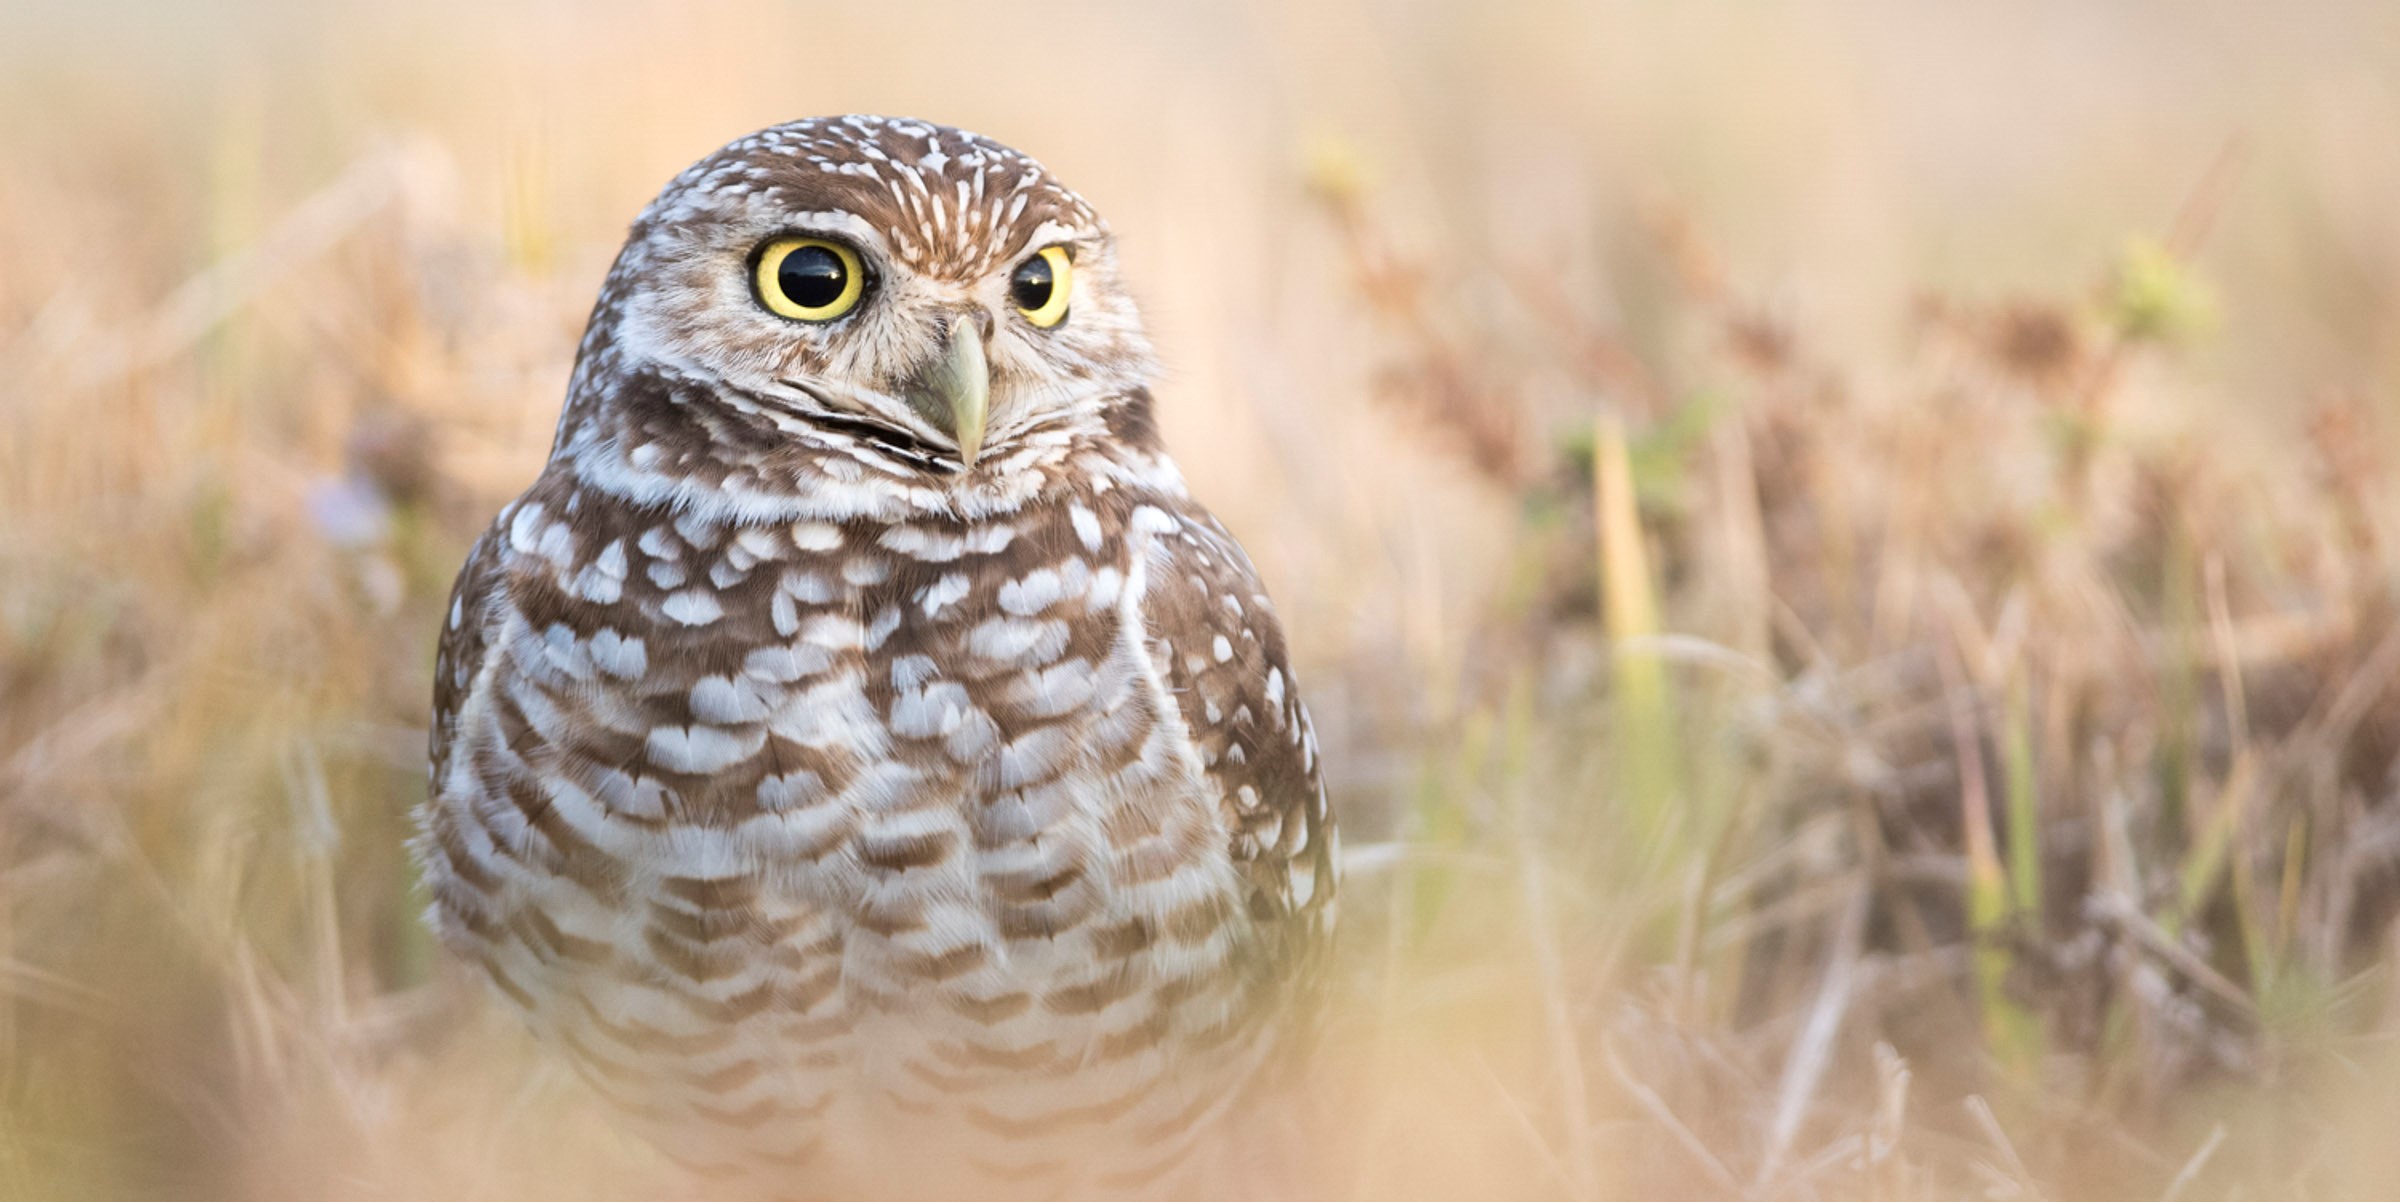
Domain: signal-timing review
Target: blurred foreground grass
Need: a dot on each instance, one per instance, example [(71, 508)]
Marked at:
[(1845, 563)]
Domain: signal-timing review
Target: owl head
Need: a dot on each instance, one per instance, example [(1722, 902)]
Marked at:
[(905, 286)]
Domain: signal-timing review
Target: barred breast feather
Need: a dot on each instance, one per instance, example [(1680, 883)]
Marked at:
[(890, 854)]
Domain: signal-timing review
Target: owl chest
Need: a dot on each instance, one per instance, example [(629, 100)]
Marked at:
[(806, 681), (856, 828), (942, 761)]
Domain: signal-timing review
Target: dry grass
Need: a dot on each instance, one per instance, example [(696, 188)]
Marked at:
[(1844, 561)]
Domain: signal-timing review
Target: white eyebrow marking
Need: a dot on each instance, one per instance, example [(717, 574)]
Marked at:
[(1051, 231), (842, 222)]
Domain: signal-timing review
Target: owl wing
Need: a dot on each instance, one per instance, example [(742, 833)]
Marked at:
[(465, 638), (1214, 636)]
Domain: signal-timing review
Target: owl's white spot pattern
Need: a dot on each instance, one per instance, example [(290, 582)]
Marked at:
[(816, 536), (783, 663), (1087, 526), (697, 749), (942, 592), (619, 656), (779, 793), (525, 529), (726, 700), (1017, 640), (692, 607), (928, 712), (1034, 592)]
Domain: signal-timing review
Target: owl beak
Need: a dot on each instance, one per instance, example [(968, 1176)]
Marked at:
[(954, 391)]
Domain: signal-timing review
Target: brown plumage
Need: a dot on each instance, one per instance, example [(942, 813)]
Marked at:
[(856, 751)]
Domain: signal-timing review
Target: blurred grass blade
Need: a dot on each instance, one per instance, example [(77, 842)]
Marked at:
[(2013, 1032), (2024, 806), (1644, 727), (2204, 864)]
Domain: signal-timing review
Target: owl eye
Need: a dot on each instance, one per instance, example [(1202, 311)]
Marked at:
[(808, 279), (1040, 286)]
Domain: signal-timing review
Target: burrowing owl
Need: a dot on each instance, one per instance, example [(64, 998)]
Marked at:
[(856, 750)]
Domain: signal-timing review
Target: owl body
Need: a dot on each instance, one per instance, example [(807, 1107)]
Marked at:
[(879, 797)]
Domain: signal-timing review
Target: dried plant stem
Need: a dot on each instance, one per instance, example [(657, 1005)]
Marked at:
[(1550, 976), (1804, 1067)]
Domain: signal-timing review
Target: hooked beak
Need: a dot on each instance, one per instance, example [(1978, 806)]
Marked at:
[(954, 390)]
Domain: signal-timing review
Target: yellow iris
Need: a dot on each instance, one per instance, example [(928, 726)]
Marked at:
[(809, 279), (1042, 285)]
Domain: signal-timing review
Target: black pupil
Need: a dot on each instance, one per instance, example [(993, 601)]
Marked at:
[(1030, 286), (812, 277)]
